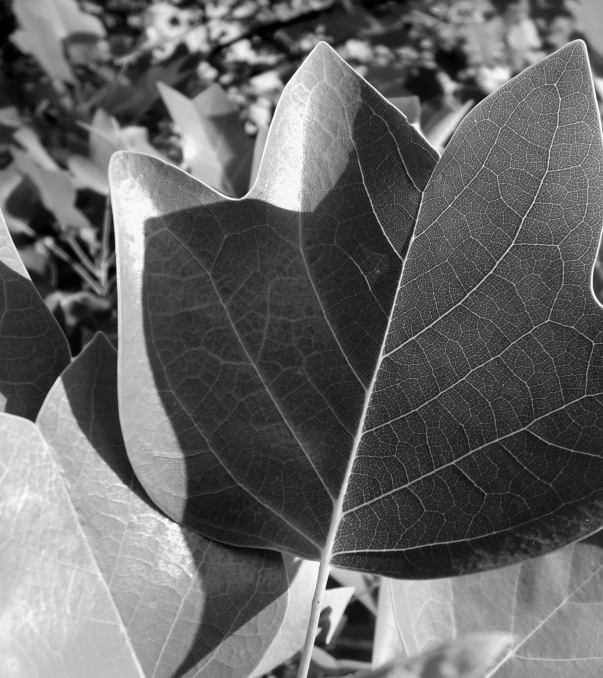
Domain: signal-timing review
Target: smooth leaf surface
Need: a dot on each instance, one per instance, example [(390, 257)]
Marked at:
[(552, 606), (300, 392), (33, 349), (44, 24), (212, 610), (52, 595), (57, 192)]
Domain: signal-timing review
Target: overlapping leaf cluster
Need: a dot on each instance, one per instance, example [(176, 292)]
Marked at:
[(377, 359)]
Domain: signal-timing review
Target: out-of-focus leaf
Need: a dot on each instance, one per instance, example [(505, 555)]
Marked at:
[(33, 350), (212, 610), (589, 14), (411, 107), (56, 613), (15, 199), (333, 606), (57, 192), (469, 656), (68, 18), (553, 605), (441, 422), (40, 268), (38, 36), (130, 100), (324, 662), (10, 116), (216, 149), (106, 138), (362, 584), (31, 143), (44, 24)]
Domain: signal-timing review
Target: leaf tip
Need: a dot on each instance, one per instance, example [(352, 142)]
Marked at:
[(118, 162), (323, 51), (575, 48)]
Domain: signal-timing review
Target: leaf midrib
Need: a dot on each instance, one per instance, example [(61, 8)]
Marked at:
[(252, 364)]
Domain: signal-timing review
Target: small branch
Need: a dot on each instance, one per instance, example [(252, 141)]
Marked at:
[(80, 254), (78, 268)]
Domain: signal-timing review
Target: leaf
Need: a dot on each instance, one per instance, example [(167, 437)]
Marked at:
[(333, 606), (106, 137), (290, 638), (258, 152), (52, 594), (552, 605), (34, 350), (410, 106), (44, 24), (30, 141), (272, 394), (131, 99), (212, 610), (363, 586), (589, 15), (57, 192), (215, 147), (468, 656)]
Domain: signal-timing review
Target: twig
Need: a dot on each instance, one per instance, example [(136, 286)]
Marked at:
[(78, 268), (80, 254)]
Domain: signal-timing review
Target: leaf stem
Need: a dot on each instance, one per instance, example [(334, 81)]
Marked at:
[(78, 268), (80, 254), (106, 255), (321, 583)]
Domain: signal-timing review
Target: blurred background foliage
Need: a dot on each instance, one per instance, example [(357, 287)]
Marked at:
[(196, 83)]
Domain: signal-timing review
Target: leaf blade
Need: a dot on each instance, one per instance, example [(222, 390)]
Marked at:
[(30, 337), (551, 604), (48, 571), (237, 285), (213, 610), (499, 417), (164, 209)]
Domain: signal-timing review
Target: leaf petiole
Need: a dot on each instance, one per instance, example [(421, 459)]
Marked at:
[(321, 583)]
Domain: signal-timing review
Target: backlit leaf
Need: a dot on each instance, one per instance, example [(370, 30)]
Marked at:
[(216, 149), (44, 24), (212, 610), (552, 605), (52, 595), (286, 383), (33, 350), (469, 656)]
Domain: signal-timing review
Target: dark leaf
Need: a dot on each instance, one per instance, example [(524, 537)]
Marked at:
[(33, 349), (283, 386)]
